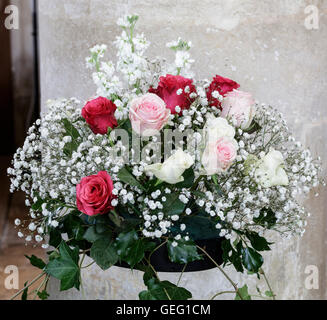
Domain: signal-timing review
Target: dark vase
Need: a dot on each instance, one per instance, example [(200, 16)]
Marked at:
[(161, 263)]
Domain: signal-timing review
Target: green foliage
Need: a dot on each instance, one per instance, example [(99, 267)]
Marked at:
[(72, 132), (125, 176), (266, 218), (43, 295), (188, 179), (258, 243), (104, 253), (230, 255), (184, 252), (244, 293), (200, 227), (254, 127), (36, 262), (25, 292), (97, 232), (173, 206), (65, 267), (251, 259), (269, 294), (164, 290), (73, 225)]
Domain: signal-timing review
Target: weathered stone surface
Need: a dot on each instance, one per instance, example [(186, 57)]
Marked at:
[(265, 46)]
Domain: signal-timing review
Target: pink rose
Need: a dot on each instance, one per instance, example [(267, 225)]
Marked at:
[(222, 86), (220, 155), (239, 106), (167, 90), (94, 194), (99, 114), (148, 114)]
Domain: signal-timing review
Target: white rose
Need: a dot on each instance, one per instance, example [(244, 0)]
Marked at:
[(239, 107), (171, 171), (217, 128), (270, 170)]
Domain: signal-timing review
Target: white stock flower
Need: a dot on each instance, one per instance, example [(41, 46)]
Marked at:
[(270, 170), (172, 169)]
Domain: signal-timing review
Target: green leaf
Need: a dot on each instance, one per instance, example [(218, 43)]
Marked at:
[(55, 237), (25, 292), (188, 179), (184, 252), (36, 262), (266, 218), (104, 253), (135, 252), (72, 132), (231, 255), (258, 243), (269, 294), (43, 295), (97, 232), (173, 206), (200, 227), (243, 292), (251, 259), (74, 226), (124, 241), (164, 290), (65, 268), (254, 127), (125, 176)]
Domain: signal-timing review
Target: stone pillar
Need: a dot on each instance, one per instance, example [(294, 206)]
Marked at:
[(264, 45)]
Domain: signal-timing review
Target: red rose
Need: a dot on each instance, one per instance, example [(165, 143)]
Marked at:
[(223, 86), (99, 114), (167, 91), (94, 194)]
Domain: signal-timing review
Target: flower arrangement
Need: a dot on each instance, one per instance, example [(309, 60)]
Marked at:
[(158, 159)]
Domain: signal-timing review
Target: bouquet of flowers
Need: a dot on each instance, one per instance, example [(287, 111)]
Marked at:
[(158, 160)]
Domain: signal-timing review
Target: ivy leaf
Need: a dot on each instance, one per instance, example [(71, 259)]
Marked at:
[(124, 241), (254, 127), (72, 132), (36, 262), (188, 179), (74, 226), (55, 237), (184, 252), (244, 293), (135, 253), (65, 268), (258, 243), (269, 294), (164, 290), (173, 206), (266, 218), (251, 259), (104, 253), (234, 257), (125, 176), (95, 233), (25, 292), (44, 295), (200, 227)]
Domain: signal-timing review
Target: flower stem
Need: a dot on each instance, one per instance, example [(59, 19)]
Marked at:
[(223, 272)]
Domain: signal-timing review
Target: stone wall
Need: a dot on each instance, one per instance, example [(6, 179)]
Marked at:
[(264, 45)]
